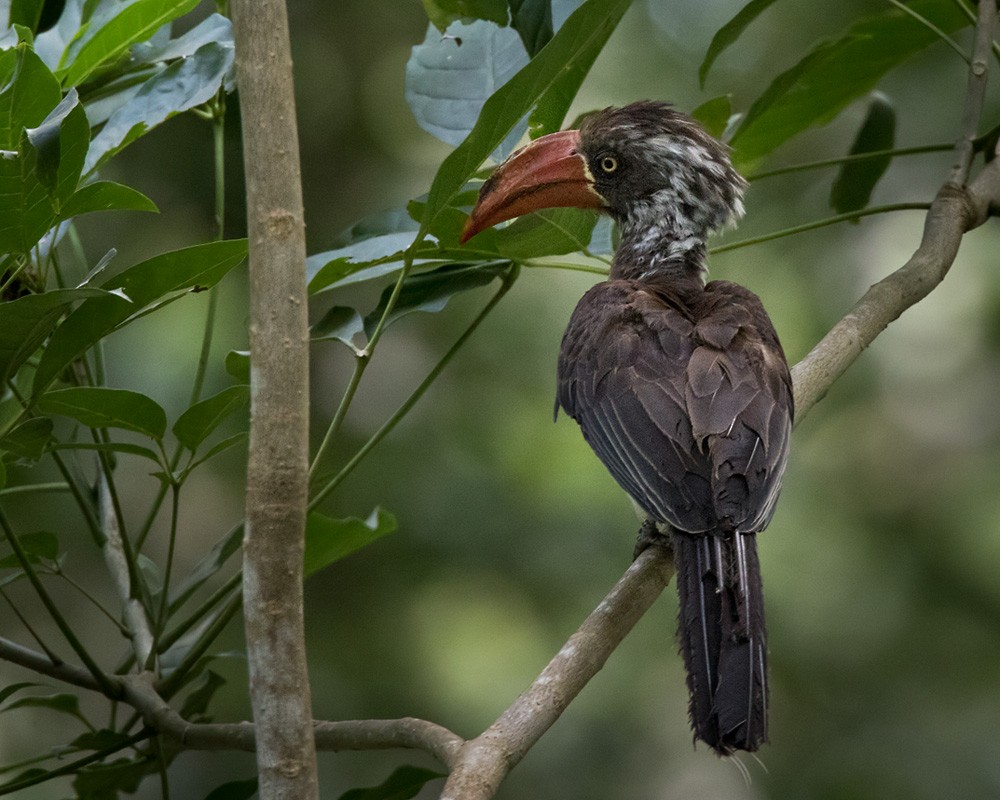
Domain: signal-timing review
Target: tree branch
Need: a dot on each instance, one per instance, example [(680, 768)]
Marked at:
[(957, 209), (485, 761), (277, 470)]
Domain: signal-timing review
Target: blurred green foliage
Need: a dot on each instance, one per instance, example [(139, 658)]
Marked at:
[(880, 565)]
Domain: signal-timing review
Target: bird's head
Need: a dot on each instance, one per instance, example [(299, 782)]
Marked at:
[(653, 169)]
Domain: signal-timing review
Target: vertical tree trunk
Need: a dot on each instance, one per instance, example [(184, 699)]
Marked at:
[(277, 479)]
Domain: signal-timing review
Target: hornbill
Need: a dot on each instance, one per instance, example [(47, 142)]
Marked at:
[(680, 387)]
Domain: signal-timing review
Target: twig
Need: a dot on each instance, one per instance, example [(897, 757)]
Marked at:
[(484, 761), (956, 210), (975, 92)]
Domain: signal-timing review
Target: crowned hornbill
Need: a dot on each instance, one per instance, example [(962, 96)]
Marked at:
[(680, 387)]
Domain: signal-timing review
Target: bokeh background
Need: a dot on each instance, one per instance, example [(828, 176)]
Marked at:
[(881, 566)]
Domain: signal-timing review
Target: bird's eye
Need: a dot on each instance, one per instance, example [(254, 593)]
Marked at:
[(609, 164)]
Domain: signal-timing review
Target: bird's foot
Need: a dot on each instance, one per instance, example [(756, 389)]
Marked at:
[(650, 535)]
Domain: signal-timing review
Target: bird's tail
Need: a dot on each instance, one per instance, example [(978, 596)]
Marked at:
[(723, 638)]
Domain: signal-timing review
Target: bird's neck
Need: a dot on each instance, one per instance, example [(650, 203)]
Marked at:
[(662, 251)]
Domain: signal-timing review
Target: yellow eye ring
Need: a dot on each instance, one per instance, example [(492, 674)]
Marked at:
[(609, 164)]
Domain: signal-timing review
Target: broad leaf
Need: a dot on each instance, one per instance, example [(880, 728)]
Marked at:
[(28, 320), (185, 84), (404, 783), (550, 232), (24, 12), (577, 42), (220, 553), (450, 77), (107, 780), (729, 33), (105, 196), (101, 407), (329, 540), (197, 702), (13, 688), (431, 291), (28, 440), (714, 114), (238, 365), (68, 704), (444, 12), (36, 546), (214, 28), (99, 739), (195, 424), (60, 144), (193, 268), (532, 19), (836, 72), (340, 323), (112, 30), (853, 187)]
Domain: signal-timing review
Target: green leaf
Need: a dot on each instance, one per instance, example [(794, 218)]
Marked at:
[(105, 781), (854, 184), (113, 30), (216, 449), (220, 553), (729, 33), (191, 269), (99, 740), (37, 546), (197, 702), (238, 365), (28, 320), (185, 84), (431, 291), (7, 691), (836, 72), (329, 540), (100, 407), (532, 19), (449, 78), (26, 13), (68, 704), (104, 196), (404, 783), (234, 790), (29, 93), (578, 41), (195, 424), (214, 28), (550, 232), (340, 323), (112, 447), (28, 440), (60, 145), (444, 12), (714, 114)]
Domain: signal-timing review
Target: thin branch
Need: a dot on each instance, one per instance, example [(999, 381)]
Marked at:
[(849, 159), (404, 409), (102, 680), (944, 37), (485, 761), (848, 216), (956, 210), (975, 92)]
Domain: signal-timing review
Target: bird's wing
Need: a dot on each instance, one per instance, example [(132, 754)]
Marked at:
[(683, 422)]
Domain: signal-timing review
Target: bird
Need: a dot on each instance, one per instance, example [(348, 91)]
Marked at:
[(680, 386)]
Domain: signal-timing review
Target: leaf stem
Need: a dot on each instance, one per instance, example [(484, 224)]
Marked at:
[(32, 488), (944, 37), (833, 162), (820, 223), (64, 627), (417, 393), (360, 364), (34, 634)]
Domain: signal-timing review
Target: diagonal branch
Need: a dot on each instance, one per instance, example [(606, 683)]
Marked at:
[(957, 209)]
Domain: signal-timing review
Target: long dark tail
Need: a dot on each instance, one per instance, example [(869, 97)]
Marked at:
[(723, 638)]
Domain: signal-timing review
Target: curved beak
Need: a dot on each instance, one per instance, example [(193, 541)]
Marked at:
[(548, 173)]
